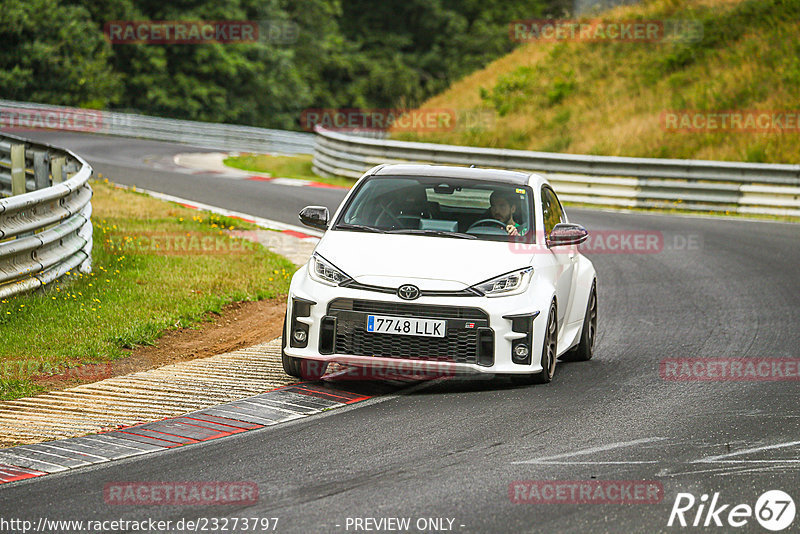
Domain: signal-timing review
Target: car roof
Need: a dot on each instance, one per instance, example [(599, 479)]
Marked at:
[(449, 171)]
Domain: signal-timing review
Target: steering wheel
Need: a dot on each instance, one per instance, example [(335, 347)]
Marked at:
[(487, 222)]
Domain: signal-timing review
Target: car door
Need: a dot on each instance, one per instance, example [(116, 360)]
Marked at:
[(564, 257)]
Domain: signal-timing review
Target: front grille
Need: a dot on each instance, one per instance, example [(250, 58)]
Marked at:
[(460, 344), (404, 309)]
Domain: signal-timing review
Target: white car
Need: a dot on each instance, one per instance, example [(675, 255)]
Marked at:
[(449, 269)]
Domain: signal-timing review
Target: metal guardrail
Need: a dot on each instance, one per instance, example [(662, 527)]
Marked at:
[(24, 115), (753, 188), (45, 217)]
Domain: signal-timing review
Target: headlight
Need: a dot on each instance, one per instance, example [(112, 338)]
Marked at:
[(511, 283), (325, 272)]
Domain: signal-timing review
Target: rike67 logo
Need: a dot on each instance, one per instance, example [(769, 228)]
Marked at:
[(774, 510)]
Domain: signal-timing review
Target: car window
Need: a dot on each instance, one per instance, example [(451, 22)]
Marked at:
[(484, 210), (552, 211)]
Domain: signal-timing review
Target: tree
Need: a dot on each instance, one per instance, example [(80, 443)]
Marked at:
[(54, 54)]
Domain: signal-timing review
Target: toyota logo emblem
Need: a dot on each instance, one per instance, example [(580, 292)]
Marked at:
[(408, 292)]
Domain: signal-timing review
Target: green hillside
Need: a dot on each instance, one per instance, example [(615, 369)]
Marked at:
[(610, 97)]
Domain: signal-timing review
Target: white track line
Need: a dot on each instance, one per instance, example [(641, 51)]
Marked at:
[(631, 462), (722, 457), (591, 450)]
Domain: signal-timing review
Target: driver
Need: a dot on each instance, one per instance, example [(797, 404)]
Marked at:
[(503, 206)]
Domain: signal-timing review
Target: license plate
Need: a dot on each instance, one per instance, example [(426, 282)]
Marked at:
[(406, 326)]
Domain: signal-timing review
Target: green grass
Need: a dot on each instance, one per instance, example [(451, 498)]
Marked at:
[(284, 167), (134, 293)]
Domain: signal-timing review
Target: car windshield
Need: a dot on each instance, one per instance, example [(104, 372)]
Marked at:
[(441, 207)]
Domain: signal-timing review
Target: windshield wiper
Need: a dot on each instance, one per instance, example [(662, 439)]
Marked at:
[(441, 233), (362, 227)]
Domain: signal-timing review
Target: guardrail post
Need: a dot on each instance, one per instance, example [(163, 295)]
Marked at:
[(17, 170), (41, 174), (57, 169), (70, 169)]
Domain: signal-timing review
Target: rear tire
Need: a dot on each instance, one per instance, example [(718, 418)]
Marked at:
[(585, 349), (549, 351)]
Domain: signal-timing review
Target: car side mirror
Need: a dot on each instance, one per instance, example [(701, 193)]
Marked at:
[(315, 217), (567, 234)]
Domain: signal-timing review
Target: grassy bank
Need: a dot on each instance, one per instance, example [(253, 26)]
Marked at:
[(607, 98), (156, 266), (298, 167)]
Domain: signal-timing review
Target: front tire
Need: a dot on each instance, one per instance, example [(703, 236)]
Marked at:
[(549, 351)]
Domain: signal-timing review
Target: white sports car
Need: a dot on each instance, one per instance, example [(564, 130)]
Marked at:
[(449, 269)]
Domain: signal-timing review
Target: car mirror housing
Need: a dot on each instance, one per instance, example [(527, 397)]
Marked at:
[(567, 234), (315, 217)]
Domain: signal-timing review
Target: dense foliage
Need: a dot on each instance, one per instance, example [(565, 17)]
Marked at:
[(347, 53)]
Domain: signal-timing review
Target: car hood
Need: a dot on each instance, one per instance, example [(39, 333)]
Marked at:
[(428, 262)]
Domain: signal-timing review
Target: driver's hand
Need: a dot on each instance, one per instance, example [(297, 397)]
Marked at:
[(512, 230)]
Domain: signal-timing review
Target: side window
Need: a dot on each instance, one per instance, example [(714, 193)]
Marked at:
[(546, 216), (551, 210), (562, 216)]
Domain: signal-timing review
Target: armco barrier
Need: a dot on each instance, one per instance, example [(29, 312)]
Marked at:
[(45, 215), (25, 115), (754, 188)]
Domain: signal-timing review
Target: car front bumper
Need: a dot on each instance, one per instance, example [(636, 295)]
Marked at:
[(481, 332)]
